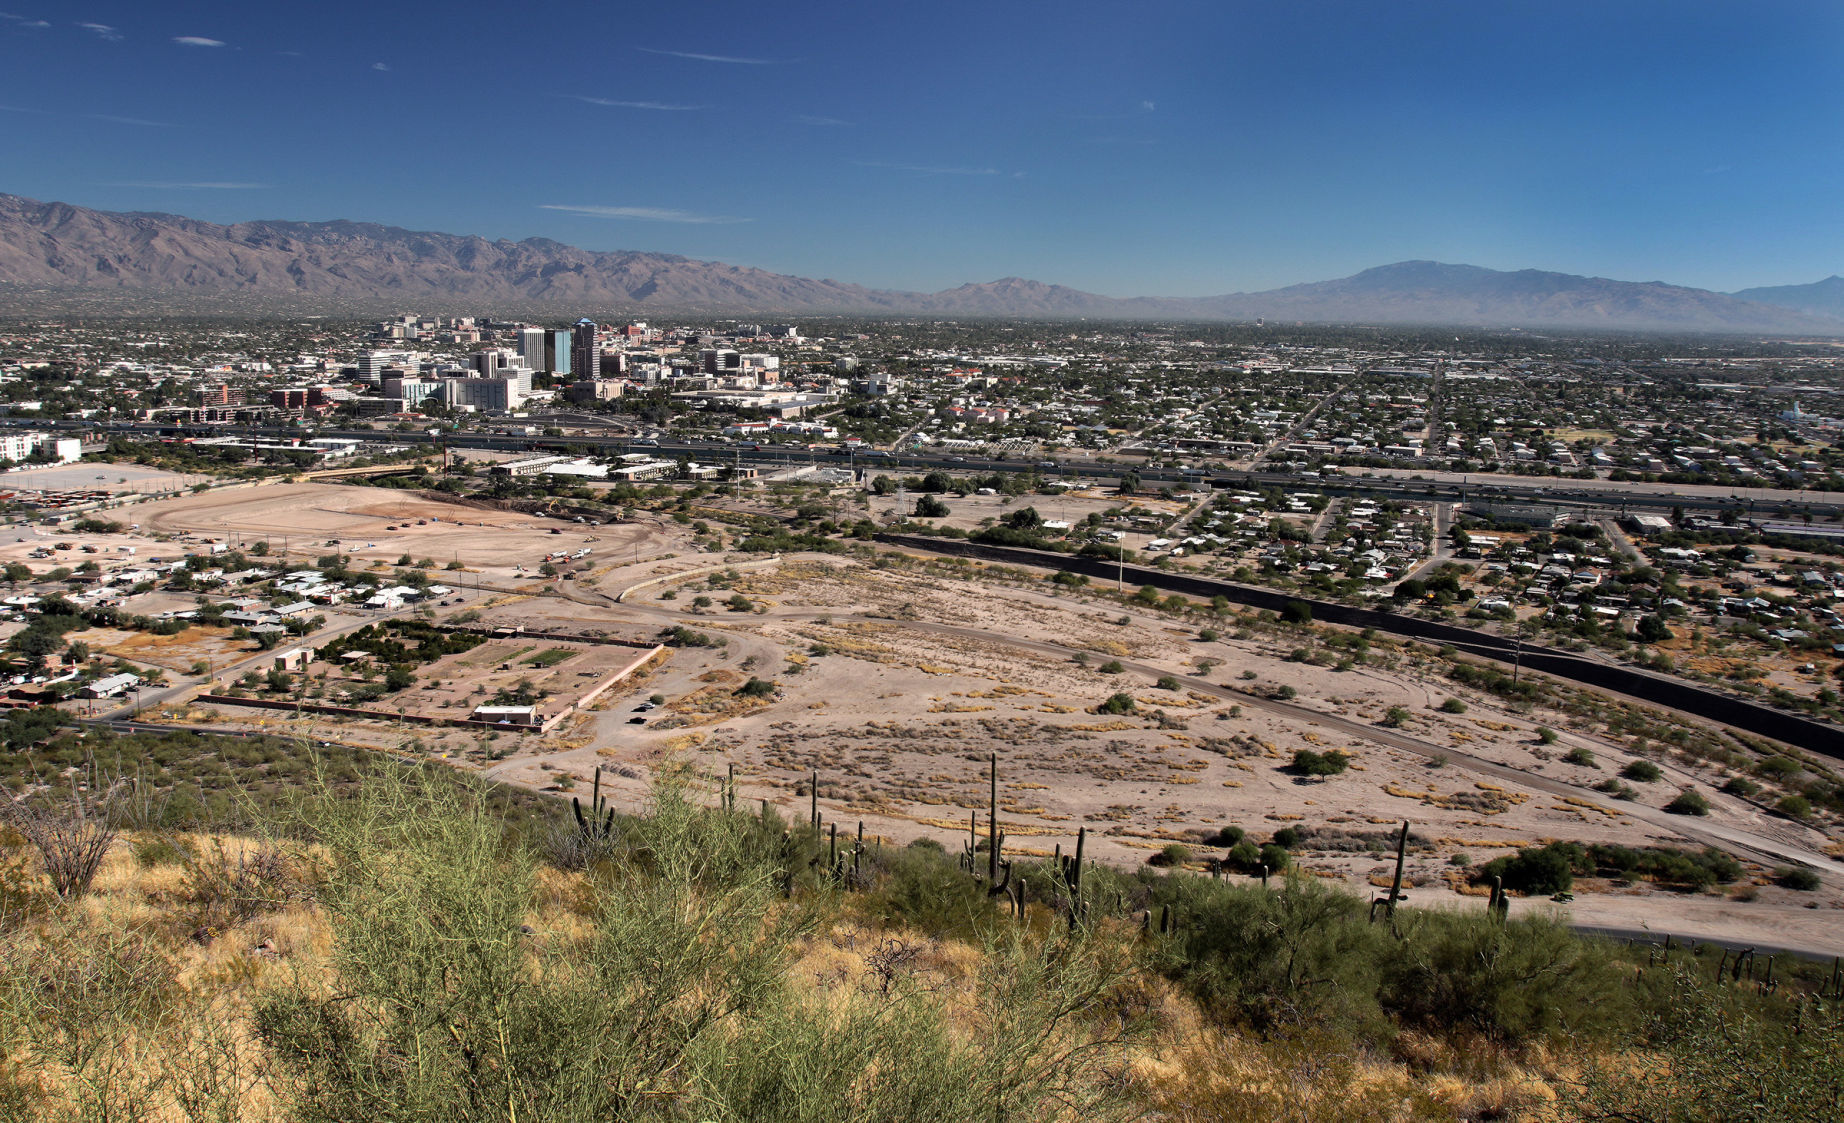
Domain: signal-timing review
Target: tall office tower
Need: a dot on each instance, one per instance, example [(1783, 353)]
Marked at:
[(585, 348), (557, 352), (531, 347)]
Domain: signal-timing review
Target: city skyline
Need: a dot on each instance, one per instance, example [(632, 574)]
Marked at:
[(1175, 149)]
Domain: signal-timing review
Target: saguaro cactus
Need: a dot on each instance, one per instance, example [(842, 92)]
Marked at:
[(599, 825), (998, 870), (1498, 906), (1070, 870), (992, 820)]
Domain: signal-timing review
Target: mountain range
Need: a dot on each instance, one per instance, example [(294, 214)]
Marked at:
[(57, 248)]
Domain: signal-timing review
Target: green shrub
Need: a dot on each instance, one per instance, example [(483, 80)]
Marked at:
[(1797, 877), (1122, 703), (1309, 763), (1524, 980), (1168, 682), (1689, 802), (1225, 836), (1111, 667), (1539, 870), (1795, 806), (1741, 786), (1580, 756), (1172, 854), (1244, 856), (929, 507), (1275, 857), (1642, 771), (1453, 706), (1778, 768)]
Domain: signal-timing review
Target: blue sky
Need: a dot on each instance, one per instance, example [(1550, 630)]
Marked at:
[(1158, 147)]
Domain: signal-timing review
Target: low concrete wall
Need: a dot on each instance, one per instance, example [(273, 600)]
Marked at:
[(690, 573), (1817, 737), (599, 689)]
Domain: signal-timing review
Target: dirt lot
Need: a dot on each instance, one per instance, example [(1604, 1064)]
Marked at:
[(896, 680), (377, 524), (896, 683), (558, 672), (967, 512), (119, 478)]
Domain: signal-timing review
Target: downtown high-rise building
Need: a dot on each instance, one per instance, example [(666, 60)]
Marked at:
[(531, 347), (557, 347), (585, 348)]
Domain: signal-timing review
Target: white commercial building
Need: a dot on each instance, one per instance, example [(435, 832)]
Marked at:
[(488, 395), (19, 447)]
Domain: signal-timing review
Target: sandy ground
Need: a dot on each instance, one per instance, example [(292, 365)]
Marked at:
[(897, 681), (119, 478), (305, 517), (895, 685)]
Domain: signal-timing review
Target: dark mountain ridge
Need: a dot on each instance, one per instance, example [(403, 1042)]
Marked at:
[(61, 247)]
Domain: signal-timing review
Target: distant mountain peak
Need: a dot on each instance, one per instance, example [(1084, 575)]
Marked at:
[(351, 264), (1824, 298)]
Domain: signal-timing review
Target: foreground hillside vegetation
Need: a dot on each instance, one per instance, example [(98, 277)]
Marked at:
[(385, 943)]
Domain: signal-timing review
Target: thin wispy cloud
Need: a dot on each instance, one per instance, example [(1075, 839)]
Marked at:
[(102, 31), (1141, 110), (697, 57), (110, 117), (380, 66), (645, 214), (930, 169), (113, 119), (24, 21), (197, 41), (806, 119), (663, 106), (209, 185)]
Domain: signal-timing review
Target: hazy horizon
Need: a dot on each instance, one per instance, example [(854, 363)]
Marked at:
[(1172, 150)]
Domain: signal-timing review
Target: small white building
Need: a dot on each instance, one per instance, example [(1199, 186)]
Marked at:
[(507, 715), (112, 687)]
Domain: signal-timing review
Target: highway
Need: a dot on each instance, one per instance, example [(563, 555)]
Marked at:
[(1607, 495)]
